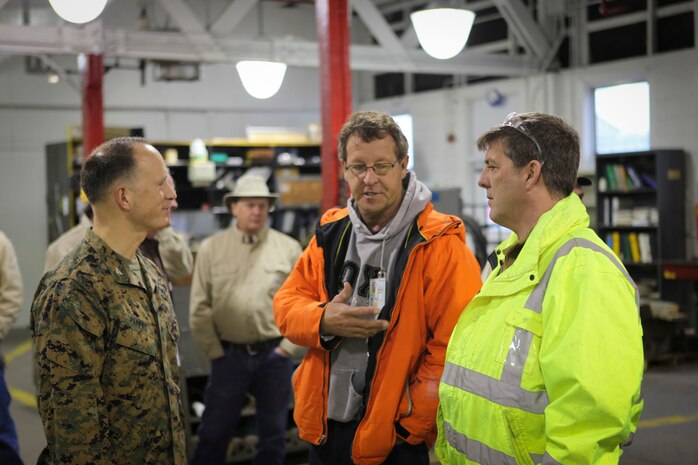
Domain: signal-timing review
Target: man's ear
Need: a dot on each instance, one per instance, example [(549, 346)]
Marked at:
[(533, 174), (122, 197), (343, 168)]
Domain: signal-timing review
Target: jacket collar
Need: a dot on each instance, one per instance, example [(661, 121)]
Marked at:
[(244, 238), (416, 196), (432, 223), (123, 271), (566, 215)]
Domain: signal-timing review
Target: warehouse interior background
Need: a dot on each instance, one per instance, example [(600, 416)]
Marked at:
[(522, 55), (531, 71)]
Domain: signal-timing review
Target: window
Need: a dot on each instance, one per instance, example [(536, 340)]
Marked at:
[(622, 115), (405, 122)]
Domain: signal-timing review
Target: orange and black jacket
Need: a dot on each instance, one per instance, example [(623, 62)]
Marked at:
[(434, 278)]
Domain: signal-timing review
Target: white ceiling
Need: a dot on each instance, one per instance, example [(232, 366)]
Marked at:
[(226, 31)]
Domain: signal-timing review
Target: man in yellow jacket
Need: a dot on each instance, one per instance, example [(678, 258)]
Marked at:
[(545, 363)]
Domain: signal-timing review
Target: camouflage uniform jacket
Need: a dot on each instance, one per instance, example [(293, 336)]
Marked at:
[(105, 339)]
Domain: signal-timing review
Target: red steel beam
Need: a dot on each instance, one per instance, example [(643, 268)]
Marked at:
[(92, 104), (332, 17)]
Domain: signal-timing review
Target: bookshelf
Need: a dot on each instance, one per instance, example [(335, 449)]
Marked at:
[(291, 167), (641, 210)]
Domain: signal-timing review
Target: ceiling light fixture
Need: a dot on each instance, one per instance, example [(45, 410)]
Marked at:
[(78, 11), (443, 28), (261, 79)]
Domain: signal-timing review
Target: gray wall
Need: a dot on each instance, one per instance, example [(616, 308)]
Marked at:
[(23, 217)]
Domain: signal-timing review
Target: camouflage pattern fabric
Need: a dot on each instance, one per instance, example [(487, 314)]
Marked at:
[(105, 342)]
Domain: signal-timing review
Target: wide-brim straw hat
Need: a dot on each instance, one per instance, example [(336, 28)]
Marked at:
[(250, 186)]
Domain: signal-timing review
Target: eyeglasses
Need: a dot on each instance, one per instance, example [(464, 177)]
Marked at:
[(517, 123), (381, 169)]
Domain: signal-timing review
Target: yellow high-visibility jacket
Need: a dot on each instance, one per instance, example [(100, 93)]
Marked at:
[(545, 363)]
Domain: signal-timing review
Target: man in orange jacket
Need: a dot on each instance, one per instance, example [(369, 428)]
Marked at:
[(375, 297)]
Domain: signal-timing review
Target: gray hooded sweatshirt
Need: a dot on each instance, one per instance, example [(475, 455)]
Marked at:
[(368, 253)]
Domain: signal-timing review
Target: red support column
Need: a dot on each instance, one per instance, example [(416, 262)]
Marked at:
[(92, 104), (332, 17)]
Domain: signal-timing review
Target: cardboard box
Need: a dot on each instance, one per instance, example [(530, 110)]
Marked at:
[(300, 191), (287, 172), (260, 154)]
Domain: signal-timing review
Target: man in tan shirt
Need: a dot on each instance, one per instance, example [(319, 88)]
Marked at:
[(68, 241), (170, 250), (10, 306), (236, 275)]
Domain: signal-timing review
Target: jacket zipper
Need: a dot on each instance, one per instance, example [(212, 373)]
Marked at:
[(323, 436), (325, 388), (364, 405)]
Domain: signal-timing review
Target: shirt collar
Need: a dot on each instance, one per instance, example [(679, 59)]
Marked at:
[(246, 238)]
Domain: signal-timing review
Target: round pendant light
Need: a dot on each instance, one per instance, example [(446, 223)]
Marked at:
[(442, 30), (78, 11), (261, 79)]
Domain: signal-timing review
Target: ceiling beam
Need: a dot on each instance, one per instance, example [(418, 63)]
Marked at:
[(62, 73), (637, 17), (520, 20), (389, 6), (409, 38), (121, 43), (375, 59), (379, 28), (232, 16), (192, 28)]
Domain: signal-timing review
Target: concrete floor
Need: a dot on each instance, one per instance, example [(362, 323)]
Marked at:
[(668, 430)]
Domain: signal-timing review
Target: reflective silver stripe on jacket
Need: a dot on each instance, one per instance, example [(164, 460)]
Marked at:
[(535, 300), (479, 452), (494, 390), (508, 392), (475, 450), (521, 341)]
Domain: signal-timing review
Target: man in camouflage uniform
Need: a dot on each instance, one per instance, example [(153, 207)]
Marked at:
[(104, 331)]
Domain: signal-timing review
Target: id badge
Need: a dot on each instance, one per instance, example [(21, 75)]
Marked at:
[(377, 292)]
